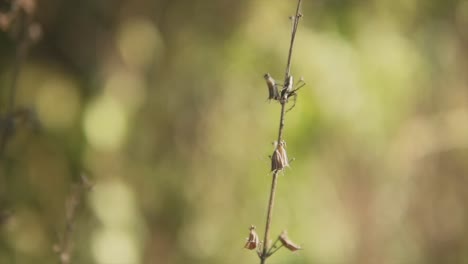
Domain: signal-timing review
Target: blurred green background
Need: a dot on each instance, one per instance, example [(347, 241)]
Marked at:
[(162, 103)]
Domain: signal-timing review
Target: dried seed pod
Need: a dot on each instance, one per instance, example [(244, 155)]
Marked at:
[(287, 243), (276, 161), (252, 241), (284, 155), (273, 93), (288, 88), (279, 159)]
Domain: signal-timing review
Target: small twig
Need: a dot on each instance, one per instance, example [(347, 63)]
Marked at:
[(65, 245), (293, 37), (273, 247), (271, 252), (265, 253)]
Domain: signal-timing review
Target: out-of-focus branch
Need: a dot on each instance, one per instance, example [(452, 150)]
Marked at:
[(19, 23), (64, 246)]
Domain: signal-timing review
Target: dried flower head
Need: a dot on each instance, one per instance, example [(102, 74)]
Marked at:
[(279, 159), (287, 243), (252, 241)]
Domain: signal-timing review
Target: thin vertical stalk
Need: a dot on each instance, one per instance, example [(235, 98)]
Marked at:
[(266, 247)]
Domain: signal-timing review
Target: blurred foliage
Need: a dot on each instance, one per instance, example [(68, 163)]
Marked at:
[(163, 105)]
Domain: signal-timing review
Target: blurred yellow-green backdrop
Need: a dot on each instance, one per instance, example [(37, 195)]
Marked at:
[(162, 104)]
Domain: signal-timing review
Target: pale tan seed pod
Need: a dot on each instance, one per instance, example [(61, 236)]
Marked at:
[(279, 159), (252, 241), (287, 243), (273, 93), (283, 154), (276, 163)]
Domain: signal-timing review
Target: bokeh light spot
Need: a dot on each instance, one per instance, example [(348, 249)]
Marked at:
[(118, 240), (114, 204), (126, 87), (26, 234), (139, 42), (58, 103), (114, 247), (105, 124)]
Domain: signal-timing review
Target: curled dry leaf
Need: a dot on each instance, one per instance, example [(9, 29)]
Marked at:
[(287, 242), (252, 241)]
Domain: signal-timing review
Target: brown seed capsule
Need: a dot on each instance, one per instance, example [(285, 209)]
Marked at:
[(273, 93), (284, 155), (276, 161), (252, 241), (279, 159), (288, 88), (287, 243)]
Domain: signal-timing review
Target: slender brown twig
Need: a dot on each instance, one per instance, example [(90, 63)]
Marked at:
[(266, 248), (65, 245), (293, 37)]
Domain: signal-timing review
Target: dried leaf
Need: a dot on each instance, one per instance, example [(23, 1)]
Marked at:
[(287, 243)]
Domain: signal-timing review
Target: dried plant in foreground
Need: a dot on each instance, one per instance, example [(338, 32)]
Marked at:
[(279, 158), (64, 246), (18, 21)]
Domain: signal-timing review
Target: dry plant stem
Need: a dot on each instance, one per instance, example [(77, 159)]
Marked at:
[(21, 52), (274, 182), (271, 201), (64, 248), (293, 37)]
